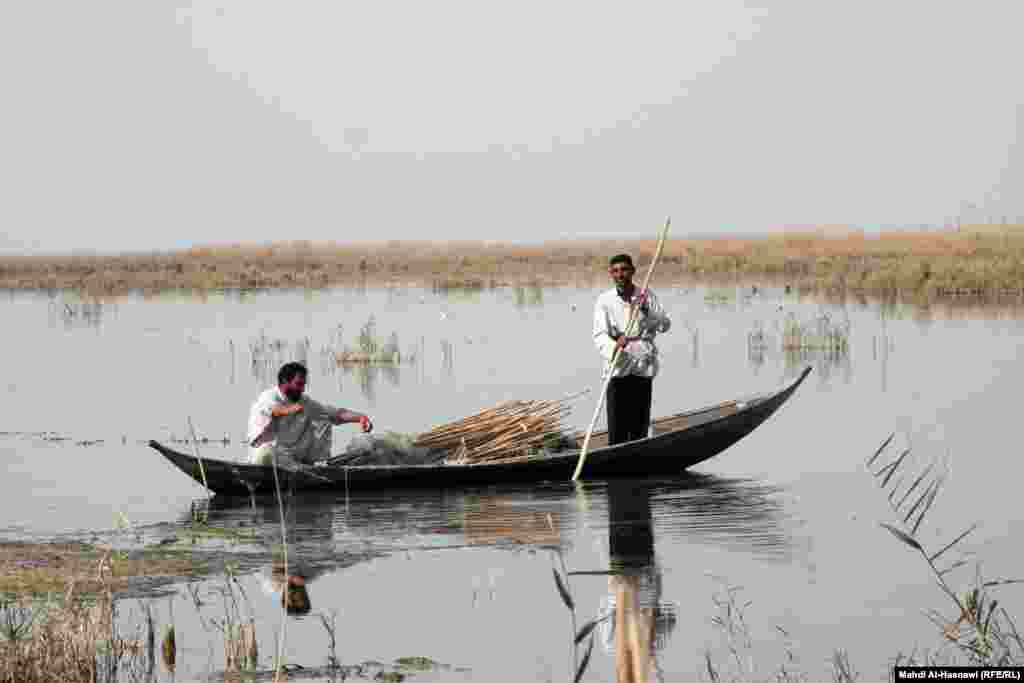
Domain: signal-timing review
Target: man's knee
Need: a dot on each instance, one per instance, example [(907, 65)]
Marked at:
[(261, 455), (264, 455)]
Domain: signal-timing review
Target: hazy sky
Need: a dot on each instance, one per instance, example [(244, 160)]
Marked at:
[(142, 124)]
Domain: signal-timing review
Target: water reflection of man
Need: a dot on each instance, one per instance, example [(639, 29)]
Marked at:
[(311, 549), (630, 389), (292, 428), (638, 621), (295, 599)]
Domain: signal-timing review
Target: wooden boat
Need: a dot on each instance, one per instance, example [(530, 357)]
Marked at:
[(677, 442)]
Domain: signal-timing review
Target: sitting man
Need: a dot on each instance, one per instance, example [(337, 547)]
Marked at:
[(291, 428)]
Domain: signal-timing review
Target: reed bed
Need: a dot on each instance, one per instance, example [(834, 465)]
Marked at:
[(801, 339), (512, 430), (819, 334), (371, 349), (370, 354), (972, 259)]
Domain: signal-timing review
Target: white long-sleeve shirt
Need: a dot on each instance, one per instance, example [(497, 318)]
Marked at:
[(610, 316)]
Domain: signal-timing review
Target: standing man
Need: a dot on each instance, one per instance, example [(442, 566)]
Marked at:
[(629, 391), (292, 428)]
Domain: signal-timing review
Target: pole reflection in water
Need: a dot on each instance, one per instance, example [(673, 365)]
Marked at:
[(638, 622)]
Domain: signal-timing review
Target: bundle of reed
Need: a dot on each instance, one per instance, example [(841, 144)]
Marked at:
[(510, 430)]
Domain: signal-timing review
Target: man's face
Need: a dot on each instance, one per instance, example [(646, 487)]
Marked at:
[(621, 274), (293, 389)]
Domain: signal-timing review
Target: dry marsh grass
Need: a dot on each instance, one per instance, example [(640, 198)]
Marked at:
[(973, 259), (73, 638)]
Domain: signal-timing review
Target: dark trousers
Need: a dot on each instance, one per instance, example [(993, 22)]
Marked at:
[(629, 408)]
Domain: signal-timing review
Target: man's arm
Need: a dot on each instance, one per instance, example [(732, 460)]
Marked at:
[(261, 420), (285, 411), (344, 416)]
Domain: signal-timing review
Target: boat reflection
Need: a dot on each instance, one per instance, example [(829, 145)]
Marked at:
[(328, 533), (494, 520)]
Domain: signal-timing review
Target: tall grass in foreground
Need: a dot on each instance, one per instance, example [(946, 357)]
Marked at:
[(238, 630), (981, 631), (71, 638)]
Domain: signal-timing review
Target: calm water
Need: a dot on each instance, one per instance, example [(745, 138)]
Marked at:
[(465, 577)]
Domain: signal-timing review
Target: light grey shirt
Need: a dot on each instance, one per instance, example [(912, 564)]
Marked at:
[(610, 316)]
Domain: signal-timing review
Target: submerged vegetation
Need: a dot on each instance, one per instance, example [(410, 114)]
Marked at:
[(981, 259)]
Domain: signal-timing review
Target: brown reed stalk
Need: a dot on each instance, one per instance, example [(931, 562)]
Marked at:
[(69, 639), (508, 430), (240, 651)]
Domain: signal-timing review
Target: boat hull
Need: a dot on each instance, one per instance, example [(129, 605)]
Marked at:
[(678, 442)]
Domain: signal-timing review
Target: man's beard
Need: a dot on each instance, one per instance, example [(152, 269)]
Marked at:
[(293, 395)]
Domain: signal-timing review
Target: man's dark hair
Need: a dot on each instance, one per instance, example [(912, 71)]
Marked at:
[(289, 370), (621, 258)]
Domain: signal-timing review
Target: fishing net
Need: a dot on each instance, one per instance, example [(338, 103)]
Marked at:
[(390, 448)]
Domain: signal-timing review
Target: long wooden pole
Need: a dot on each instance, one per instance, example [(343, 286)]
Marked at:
[(633, 318)]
